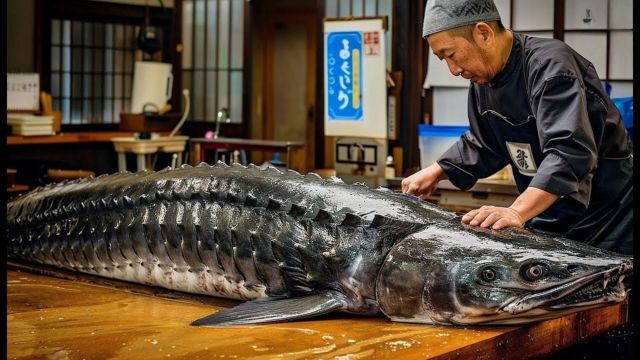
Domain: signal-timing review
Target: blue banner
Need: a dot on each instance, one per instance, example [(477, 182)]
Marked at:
[(344, 75)]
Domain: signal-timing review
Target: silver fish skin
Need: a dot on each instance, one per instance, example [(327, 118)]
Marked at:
[(297, 246)]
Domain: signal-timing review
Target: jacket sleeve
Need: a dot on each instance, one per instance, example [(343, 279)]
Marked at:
[(473, 156), (566, 139)]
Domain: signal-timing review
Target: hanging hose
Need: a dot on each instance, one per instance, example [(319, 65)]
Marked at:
[(185, 114)]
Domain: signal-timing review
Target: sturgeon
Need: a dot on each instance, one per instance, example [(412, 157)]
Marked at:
[(296, 246)]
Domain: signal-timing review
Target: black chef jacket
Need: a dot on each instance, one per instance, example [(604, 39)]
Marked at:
[(547, 114)]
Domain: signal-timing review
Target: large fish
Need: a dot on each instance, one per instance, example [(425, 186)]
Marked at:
[(300, 246)]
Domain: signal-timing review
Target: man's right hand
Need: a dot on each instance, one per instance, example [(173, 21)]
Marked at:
[(422, 183)]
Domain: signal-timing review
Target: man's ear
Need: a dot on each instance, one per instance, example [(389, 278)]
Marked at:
[(483, 34)]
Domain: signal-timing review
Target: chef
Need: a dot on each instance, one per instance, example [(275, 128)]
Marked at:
[(538, 105)]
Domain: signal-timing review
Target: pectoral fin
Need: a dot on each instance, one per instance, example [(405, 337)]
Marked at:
[(275, 310)]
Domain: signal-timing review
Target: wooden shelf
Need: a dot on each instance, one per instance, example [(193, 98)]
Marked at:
[(65, 138), (17, 188)]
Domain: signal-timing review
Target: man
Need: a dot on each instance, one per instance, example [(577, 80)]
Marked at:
[(539, 106)]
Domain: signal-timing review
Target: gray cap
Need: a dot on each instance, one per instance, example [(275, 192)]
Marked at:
[(441, 15)]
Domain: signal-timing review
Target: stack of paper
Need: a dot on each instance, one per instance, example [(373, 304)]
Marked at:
[(27, 124)]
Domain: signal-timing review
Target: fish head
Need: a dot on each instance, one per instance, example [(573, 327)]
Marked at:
[(462, 276)]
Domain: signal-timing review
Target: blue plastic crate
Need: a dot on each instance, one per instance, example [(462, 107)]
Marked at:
[(625, 106), (434, 140)]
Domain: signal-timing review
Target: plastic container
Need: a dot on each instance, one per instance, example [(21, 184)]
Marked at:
[(434, 140), (625, 106)]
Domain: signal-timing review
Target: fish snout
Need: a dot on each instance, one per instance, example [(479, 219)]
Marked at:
[(603, 286)]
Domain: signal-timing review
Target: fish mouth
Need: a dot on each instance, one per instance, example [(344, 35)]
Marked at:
[(598, 287)]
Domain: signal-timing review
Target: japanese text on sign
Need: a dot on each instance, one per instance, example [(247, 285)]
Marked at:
[(344, 75), (23, 91)]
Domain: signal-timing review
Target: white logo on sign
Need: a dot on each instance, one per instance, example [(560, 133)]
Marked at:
[(522, 157)]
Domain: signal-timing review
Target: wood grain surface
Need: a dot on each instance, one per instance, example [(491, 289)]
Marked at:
[(71, 316)]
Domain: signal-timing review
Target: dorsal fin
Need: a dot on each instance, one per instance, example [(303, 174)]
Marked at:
[(395, 228), (293, 173), (351, 219), (273, 204), (272, 170), (323, 216), (297, 210), (313, 176), (250, 200)]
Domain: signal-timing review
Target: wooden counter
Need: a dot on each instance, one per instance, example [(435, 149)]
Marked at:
[(293, 150), (93, 318), (66, 138), (88, 150)]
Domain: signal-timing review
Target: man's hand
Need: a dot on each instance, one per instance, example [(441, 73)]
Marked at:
[(529, 204), (422, 183), (494, 217)]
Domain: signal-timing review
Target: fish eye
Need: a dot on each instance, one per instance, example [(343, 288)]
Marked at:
[(488, 274), (534, 272)]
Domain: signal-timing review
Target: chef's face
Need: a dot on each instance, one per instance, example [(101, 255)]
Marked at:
[(467, 56)]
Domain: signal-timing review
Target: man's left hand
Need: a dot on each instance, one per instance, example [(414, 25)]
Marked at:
[(494, 217)]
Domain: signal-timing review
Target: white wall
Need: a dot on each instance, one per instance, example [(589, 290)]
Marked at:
[(450, 106)]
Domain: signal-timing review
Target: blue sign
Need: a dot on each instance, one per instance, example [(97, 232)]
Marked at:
[(344, 75)]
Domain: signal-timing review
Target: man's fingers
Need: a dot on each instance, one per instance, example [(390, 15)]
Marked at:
[(490, 220), (469, 216), (480, 216), (501, 224), (405, 185)]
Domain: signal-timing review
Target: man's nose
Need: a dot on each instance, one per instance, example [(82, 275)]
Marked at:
[(454, 68)]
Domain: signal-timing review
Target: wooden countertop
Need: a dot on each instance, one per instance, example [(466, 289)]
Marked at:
[(89, 317)]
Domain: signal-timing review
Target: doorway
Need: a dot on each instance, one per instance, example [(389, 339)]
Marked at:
[(290, 81)]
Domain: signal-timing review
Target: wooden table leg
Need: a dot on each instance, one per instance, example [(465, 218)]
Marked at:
[(141, 162), (122, 161), (195, 155), (297, 161)]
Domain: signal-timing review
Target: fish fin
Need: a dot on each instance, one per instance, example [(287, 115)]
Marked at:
[(351, 220), (297, 210), (269, 311), (394, 228), (323, 216)]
